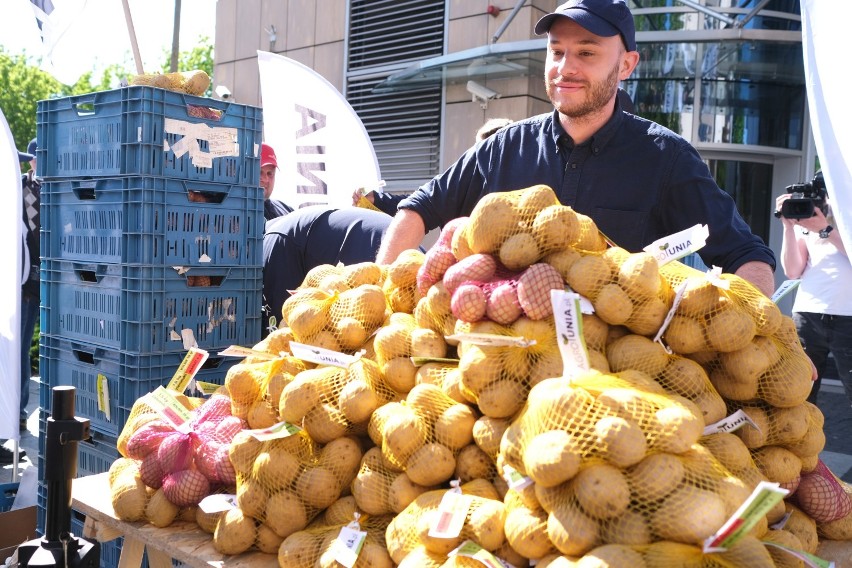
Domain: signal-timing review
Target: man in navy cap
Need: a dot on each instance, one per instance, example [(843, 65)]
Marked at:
[(637, 180)]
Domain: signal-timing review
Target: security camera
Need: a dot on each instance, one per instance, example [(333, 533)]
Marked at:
[(223, 92), (481, 93)]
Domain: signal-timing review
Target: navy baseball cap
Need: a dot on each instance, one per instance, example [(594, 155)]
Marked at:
[(605, 18)]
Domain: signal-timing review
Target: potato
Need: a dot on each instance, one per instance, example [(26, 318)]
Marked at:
[(286, 514), (469, 303), (655, 477), (754, 436), (684, 335), (648, 316), (325, 423), (590, 238), (472, 463), (502, 398), (602, 491), (207, 521), (630, 528), (403, 434), (266, 540), (778, 464), (299, 550), (782, 558), (804, 527), (357, 401), (485, 521), (474, 268), (746, 364), (431, 464), (129, 498), (526, 531), (552, 458), (276, 468), (612, 555), (454, 427), (306, 319), (502, 305), (534, 287), (235, 532), (571, 531), (556, 228), (621, 442), (588, 275), (613, 305), (729, 450), (519, 251), (639, 275), (699, 298), (639, 353), (400, 374), (402, 492), (677, 428), (731, 388), (689, 515), (729, 329), (494, 218), (318, 487), (487, 432), (252, 496)]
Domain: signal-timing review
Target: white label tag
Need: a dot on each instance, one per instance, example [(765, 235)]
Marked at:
[(280, 430), (808, 559), (762, 499), (243, 352), (679, 244), (452, 513), (514, 479), (730, 423), (491, 339), (569, 331), (348, 545), (785, 288), (471, 549), (322, 356), (218, 503)]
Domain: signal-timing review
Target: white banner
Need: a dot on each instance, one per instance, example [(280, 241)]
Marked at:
[(324, 153), (828, 99), (10, 284)]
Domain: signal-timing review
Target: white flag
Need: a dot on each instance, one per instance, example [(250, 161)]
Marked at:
[(10, 284), (61, 57), (828, 99), (324, 152)]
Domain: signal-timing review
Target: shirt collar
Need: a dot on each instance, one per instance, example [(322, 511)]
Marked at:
[(600, 138)]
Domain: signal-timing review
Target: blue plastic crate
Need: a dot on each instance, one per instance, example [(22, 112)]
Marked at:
[(8, 492), (128, 376), (149, 131), (150, 220), (145, 309)]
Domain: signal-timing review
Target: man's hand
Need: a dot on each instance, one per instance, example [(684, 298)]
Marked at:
[(759, 274)]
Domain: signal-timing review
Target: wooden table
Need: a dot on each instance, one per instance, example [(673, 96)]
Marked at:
[(183, 541)]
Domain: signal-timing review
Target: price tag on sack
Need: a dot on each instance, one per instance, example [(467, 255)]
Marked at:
[(679, 244), (170, 409), (569, 331), (730, 423), (808, 559), (348, 544), (218, 503), (322, 356), (515, 479), (243, 352), (765, 496), (274, 432), (470, 549), (451, 513), (188, 368)]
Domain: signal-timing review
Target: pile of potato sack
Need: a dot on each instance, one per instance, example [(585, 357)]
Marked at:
[(457, 423)]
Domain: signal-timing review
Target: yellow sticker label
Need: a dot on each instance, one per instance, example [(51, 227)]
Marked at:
[(187, 369), (103, 396)]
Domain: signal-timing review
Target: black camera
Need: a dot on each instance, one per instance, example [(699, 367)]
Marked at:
[(804, 198)]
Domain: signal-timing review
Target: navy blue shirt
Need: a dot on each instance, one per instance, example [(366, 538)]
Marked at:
[(637, 180), (309, 237), (273, 208)]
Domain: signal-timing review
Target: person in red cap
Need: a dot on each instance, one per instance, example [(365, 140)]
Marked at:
[(272, 208)]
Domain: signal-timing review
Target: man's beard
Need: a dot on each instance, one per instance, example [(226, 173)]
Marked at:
[(598, 96)]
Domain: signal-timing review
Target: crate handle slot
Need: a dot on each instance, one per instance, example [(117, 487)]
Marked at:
[(86, 192), (87, 275), (212, 363), (213, 281), (204, 112), (202, 196), (84, 356), (84, 108)]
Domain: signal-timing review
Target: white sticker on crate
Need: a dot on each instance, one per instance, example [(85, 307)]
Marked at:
[(221, 141)]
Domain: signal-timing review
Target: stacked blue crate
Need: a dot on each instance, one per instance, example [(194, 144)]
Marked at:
[(152, 226)]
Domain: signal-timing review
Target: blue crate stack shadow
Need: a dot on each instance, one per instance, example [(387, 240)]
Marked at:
[(152, 227)]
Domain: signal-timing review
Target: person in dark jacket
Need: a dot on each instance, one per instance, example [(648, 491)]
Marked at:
[(309, 237)]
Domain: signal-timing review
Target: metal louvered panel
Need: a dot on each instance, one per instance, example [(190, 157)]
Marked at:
[(384, 37)]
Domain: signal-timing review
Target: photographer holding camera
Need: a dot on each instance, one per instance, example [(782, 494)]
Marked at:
[(813, 251)]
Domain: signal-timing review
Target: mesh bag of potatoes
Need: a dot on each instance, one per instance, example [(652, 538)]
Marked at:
[(522, 227), (648, 361), (400, 284), (335, 318), (423, 434), (428, 521), (325, 546), (625, 288), (177, 467), (382, 488), (285, 482), (255, 388), (498, 377), (331, 402), (397, 342)]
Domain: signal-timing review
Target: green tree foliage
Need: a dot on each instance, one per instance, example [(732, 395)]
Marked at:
[(200, 56)]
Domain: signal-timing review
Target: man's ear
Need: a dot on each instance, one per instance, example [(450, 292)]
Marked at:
[(629, 61)]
